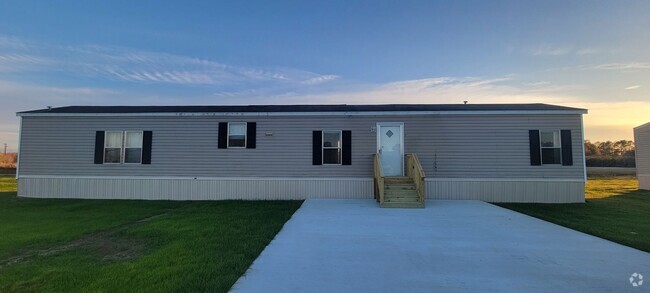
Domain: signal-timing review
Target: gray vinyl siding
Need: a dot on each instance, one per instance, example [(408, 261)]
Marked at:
[(642, 143), (449, 146)]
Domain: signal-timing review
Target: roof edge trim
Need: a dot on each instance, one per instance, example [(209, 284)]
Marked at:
[(354, 113), (642, 125)]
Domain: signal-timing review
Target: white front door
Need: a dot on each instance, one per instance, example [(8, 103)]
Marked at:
[(390, 147)]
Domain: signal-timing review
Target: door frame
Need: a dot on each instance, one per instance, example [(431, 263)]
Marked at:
[(401, 133)]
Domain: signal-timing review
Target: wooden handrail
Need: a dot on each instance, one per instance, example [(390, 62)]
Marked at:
[(379, 179), (414, 170)]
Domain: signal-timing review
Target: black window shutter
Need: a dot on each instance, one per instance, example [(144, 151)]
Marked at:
[(99, 147), (223, 135), (535, 153), (567, 152), (347, 147), (146, 147), (317, 145), (251, 135)]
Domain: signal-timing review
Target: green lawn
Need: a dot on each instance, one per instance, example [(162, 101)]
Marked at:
[(615, 209), (63, 245)]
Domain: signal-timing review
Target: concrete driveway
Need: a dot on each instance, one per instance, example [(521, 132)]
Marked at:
[(451, 246)]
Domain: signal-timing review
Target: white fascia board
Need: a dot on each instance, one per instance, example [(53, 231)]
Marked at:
[(258, 114)]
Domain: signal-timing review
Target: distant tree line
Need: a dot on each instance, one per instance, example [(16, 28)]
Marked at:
[(610, 153)]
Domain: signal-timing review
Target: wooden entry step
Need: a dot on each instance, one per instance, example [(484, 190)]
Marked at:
[(400, 192)]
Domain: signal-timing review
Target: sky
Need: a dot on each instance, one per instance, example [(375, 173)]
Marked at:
[(588, 54)]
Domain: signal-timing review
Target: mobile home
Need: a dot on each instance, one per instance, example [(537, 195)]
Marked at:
[(491, 152)]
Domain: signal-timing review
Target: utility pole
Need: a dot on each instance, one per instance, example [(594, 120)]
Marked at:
[(5, 149)]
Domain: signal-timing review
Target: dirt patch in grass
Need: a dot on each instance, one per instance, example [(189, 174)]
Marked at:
[(108, 245), (117, 249)]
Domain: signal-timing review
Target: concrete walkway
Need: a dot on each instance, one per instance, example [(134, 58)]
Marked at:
[(451, 246)]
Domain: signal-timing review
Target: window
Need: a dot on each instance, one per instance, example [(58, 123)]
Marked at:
[(331, 147), (551, 147), (237, 135), (113, 147), (123, 147), (133, 147)]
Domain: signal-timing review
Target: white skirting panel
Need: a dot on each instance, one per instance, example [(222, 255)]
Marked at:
[(180, 188), (503, 190), (194, 189), (644, 181)]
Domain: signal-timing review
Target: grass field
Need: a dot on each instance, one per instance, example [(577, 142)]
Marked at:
[(610, 171), (62, 245), (615, 209)]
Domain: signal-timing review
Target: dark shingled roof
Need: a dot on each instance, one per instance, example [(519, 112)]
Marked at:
[(303, 108)]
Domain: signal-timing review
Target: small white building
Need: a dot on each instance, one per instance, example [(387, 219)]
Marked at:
[(642, 143)]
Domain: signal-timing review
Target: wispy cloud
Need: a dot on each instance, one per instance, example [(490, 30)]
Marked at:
[(22, 62), (624, 66), (13, 43), (420, 84), (138, 66), (537, 83), (624, 114), (320, 79), (554, 51), (434, 90), (151, 67), (550, 51), (194, 80)]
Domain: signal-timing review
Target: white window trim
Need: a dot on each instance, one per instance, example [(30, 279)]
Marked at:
[(245, 136), (541, 154), (323, 147), (122, 147)]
